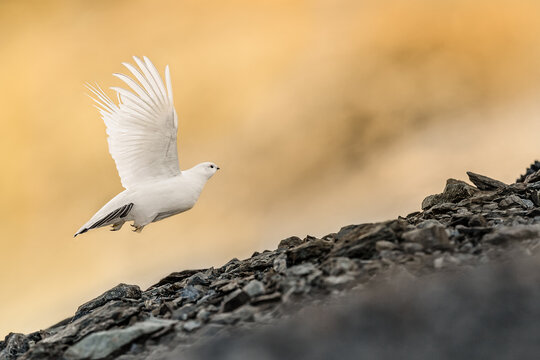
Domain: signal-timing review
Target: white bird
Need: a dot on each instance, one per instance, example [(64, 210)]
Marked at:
[(142, 131)]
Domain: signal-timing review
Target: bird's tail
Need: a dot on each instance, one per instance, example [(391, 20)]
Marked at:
[(111, 218), (81, 231)]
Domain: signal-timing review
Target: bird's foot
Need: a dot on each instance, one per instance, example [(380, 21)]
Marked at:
[(117, 226), (137, 229)]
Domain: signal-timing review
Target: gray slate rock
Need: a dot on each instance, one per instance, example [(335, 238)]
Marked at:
[(110, 314), (185, 312), (302, 269), (189, 294), (14, 345), (121, 291), (429, 237), (234, 300), (101, 344), (280, 263), (175, 277), (385, 245), (309, 249), (515, 200), (454, 191), (358, 241), (289, 242), (192, 325), (462, 228), (264, 299), (338, 266), (441, 317), (254, 288), (485, 183)]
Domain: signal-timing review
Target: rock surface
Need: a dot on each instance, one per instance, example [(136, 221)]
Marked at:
[(301, 292), (102, 344), (489, 314)]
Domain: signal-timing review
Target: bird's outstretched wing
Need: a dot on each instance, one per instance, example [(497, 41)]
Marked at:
[(143, 126)]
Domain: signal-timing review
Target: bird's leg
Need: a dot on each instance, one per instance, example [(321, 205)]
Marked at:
[(137, 229), (117, 226)]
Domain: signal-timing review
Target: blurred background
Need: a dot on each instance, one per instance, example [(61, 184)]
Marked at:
[(320, 113)]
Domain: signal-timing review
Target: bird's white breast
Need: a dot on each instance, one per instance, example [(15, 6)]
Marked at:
[(168, 196)]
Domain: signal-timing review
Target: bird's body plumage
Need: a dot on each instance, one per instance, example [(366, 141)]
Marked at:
[(142, 131)]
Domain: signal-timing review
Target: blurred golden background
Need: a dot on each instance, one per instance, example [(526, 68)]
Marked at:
[(320, 113)]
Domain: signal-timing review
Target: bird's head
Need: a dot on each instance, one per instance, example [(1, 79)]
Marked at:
[(206, 169)]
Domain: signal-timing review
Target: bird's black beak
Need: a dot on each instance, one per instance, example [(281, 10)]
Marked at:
[(217, 167)]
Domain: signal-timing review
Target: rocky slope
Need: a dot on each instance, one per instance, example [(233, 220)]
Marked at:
[(336, 297)]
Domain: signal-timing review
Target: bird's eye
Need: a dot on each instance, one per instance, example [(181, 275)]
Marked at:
[(211, 166)]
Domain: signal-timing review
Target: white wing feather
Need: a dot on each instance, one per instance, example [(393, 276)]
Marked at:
[(143, 127)]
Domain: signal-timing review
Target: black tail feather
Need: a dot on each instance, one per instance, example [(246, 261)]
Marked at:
[(119, 213)]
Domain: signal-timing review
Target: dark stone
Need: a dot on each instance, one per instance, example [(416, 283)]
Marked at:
[(61, 323), (353, 232), (338, 266), (174, 278), (535, 197), (211, 297), (531, 169), (485, 183), (514, 200), (113, 313), (454, 191), (263, 299), (457, 190), (216, 284), (477, 220), (230, 265), (229, 286), (432, 237), (235, 300), (532, 178), (518, 188), (189, 294), (164, 291), (121, 291), (360, 242), (163, 309), (13, 346), (289, 242), (187, 311), (101, 344), (262, 261), (444, 208), (198, 279), (431, 201), (44, 351), (312, 248)]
